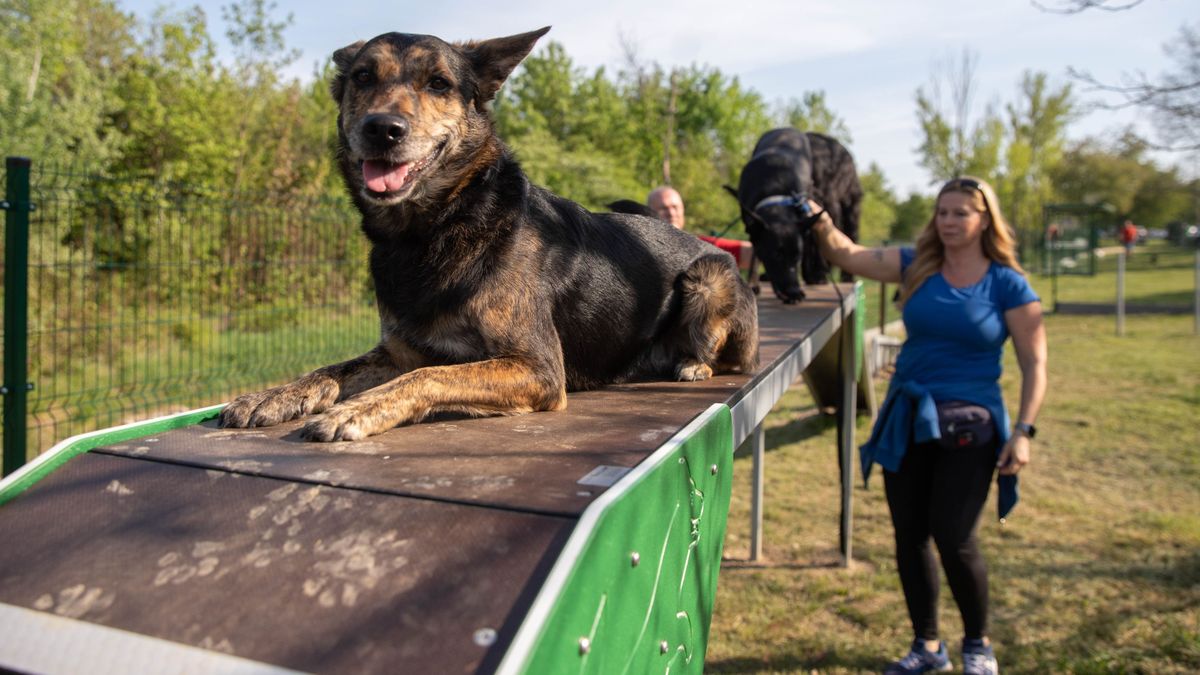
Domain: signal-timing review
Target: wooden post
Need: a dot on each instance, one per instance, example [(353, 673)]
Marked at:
[(1121, 293)]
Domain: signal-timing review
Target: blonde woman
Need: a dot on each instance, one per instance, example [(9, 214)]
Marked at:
[(943, 430)]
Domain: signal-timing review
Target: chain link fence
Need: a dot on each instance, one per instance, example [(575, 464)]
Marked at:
[(144, 298)]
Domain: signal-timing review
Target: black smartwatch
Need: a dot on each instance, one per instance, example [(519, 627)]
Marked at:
[(1028, 429)]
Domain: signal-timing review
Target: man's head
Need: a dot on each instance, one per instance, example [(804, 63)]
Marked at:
[(667, 204)]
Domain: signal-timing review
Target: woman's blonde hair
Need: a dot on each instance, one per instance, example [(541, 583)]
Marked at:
[(999, 242)]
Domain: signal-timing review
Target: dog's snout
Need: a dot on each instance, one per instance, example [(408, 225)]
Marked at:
[(385, 130)]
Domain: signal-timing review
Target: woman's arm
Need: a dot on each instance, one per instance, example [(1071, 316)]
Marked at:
[(1029, 339), (880, 264)]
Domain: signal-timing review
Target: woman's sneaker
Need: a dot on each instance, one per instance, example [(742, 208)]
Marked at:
[(979, 659), (921, 660)]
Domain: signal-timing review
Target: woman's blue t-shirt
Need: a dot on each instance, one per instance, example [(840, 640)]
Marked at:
[(956, 335), (953, 353)]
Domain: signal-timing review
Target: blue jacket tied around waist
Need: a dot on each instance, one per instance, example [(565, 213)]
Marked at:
[(953, 352), (910, 408)]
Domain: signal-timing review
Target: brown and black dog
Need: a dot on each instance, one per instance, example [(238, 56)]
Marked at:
[(495, 296)]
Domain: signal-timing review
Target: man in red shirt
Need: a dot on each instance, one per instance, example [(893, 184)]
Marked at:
[(667, 204), (1128, 236)]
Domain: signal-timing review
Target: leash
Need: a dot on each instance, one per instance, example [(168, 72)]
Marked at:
[(800, 202)]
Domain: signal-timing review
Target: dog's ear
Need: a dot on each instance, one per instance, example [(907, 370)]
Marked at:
[(342, 59), (493, 60), (731, 190)]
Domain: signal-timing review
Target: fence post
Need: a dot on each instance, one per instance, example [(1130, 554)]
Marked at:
[(16, 387), (1196, 298), (1121, 292), (882, 306)]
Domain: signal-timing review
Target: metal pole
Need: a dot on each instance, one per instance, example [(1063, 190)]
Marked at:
[(882, 306), (1054, 255), (1196, 298), (849, 413), (756, 494), (1121, 292), (16, 307)]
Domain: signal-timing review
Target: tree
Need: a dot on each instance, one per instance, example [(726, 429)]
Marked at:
[(1037, 123), (1077, 6), (878, 206), (595, 139), (912, 214), (60, 64), (952, 145), (812, 113), (1122, 175), (1173, 99), (1091, 173)]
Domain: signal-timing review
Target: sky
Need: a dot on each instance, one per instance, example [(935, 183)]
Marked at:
[(868, 56)]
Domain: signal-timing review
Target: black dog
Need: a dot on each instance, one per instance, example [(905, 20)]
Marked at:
[(495, 296), (787, 168)]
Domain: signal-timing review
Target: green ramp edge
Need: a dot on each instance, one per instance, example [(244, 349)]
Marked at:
[(633, 590), (46, 463)]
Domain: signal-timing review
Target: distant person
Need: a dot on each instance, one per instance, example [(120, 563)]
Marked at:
[(666, 202), (1129, 236), (943, 430)]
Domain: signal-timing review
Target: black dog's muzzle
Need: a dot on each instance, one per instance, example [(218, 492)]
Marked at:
[(796, 201)]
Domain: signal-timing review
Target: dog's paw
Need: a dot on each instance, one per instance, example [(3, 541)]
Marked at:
[(349, 422), (693, 371), (274, 406)]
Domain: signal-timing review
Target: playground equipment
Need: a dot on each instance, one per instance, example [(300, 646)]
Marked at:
[(1071, 239), (582, 541)]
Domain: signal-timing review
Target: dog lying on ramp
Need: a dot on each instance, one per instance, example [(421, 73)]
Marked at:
[(495, 296)]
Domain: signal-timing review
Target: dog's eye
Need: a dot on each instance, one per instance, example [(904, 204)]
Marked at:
[(439, 84), (363, 76)]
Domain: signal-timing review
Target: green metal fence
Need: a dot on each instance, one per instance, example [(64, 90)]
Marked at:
[(128, 299)]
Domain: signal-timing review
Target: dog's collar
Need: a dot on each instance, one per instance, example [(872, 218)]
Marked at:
[(779, 200)]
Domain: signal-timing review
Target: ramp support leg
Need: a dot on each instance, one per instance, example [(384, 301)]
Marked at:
[(756, 494)]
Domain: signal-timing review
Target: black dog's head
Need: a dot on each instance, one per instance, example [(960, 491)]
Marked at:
[(773, 211), (412, 116)]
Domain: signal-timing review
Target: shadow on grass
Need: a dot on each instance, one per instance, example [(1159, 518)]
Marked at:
[(1095, 645), (808, 422), (1182, 572), (738, 564), (797, 658)]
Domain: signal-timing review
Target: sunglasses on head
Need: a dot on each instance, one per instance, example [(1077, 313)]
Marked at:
[(959, 183)]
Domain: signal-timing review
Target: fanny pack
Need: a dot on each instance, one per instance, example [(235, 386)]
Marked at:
[(964, 425)]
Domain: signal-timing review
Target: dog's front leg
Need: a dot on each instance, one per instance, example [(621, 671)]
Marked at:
[(314, 392), (505, 386)]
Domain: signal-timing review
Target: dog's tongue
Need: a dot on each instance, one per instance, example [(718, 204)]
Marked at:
[(384, 176)]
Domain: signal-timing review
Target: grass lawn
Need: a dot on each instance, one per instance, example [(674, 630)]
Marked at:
[(1096, 571)]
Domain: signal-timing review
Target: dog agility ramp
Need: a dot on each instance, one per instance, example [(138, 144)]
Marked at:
[(581, 541)]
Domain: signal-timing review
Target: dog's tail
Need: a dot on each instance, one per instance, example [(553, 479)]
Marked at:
[(719, 315)]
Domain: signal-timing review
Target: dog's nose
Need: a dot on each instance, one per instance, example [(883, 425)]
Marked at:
[(385, 129)]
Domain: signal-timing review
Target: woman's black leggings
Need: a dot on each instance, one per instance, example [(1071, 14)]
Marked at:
[(938, 493)]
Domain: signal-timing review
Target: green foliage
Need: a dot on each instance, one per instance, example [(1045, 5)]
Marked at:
[(878, 207), (1036, 135), (912, 214), (1120, 174), (1017, 153), (811, 112), (59, 64), (595, 138)]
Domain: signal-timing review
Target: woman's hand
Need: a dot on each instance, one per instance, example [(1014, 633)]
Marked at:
[(1014, 455), (880, 264), (824, 220)]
